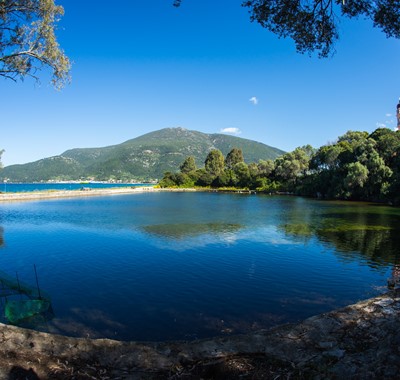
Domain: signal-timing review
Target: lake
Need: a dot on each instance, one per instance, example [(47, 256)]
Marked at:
[(167, 266)]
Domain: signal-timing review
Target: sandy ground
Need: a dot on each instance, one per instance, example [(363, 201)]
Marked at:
[(38, 195)]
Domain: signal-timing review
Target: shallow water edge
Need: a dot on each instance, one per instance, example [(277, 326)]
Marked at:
[(358, 341)]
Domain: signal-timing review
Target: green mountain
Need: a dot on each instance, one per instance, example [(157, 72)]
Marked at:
[(143, 158)]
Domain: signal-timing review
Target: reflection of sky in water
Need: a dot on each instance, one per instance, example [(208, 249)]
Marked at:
[(177, 266)]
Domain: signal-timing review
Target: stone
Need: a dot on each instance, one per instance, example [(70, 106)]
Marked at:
[(360, 341)]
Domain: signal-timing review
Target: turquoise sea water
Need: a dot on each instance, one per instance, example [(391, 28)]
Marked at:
[(163, 266), (6, 187)]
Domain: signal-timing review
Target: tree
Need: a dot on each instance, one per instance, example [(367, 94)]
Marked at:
[(387, 144), (188, 165), (28, 41), (293, 165), (214, 163), (167, 180), (233, 157), (242, 174), (313, 24), (265, 167), (357, 175)]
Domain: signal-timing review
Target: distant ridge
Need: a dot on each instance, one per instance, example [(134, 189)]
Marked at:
[(143, 158)]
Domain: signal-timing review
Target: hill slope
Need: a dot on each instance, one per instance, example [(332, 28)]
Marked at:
[(142, 158)]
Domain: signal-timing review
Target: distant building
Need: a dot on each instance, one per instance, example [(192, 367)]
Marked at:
[(398, 115)]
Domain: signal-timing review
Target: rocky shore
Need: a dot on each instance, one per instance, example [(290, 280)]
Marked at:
[(361, 341)]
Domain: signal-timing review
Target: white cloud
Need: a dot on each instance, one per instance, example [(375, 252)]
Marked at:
[(389, 115), (380, 125), (231, 130), (253, 100)]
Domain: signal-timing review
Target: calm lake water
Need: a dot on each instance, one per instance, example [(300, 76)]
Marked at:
[(163, 266)]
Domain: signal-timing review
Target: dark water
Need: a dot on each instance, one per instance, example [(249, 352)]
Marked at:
[(163, 266)]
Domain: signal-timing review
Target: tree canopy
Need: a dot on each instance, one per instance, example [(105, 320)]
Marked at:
[(358, 166), (28, 40), (188, 165), (313, 24), (215, 162), (234, 157)]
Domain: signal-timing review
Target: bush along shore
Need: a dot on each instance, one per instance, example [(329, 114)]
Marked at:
[(358, 166), (361, 341)]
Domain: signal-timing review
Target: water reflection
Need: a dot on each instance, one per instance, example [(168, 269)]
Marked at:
[(180, 266), (357, 230), (180, 231)]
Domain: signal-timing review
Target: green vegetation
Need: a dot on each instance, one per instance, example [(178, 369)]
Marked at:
[(28, 41), (184, 230), (359, 166), (143, 158), (313, 24)]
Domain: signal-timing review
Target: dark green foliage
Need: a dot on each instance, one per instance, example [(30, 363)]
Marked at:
[(292, 167), (223, 180), (233, 157), (313, 25), (358, 166), (214, 163), (143, 158), (242, 173), (168, 180), (205, 178), (188, 165)]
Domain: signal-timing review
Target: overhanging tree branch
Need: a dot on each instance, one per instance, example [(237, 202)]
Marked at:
[(312, 24), (28, 41)]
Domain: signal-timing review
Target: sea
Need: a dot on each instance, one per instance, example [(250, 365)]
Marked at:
[(7, 187)]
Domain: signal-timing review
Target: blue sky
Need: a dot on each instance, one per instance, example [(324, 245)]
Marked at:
[(140, 66)]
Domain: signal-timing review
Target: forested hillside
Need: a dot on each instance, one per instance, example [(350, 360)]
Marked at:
[(143, 158)]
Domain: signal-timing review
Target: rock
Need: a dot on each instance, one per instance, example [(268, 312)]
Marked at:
[(361, 341)]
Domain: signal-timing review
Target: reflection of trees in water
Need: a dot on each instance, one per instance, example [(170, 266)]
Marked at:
[(1, 237), (367, 232), (375, 246), (182, 230)]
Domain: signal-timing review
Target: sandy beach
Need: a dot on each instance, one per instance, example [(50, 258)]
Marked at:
[(85, 192), (49, 194)]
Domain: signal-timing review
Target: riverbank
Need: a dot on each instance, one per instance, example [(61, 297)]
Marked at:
[(360, 341), (83, 192)]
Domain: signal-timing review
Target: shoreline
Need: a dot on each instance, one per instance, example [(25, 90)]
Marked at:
[(359, 341), (84, 192)]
